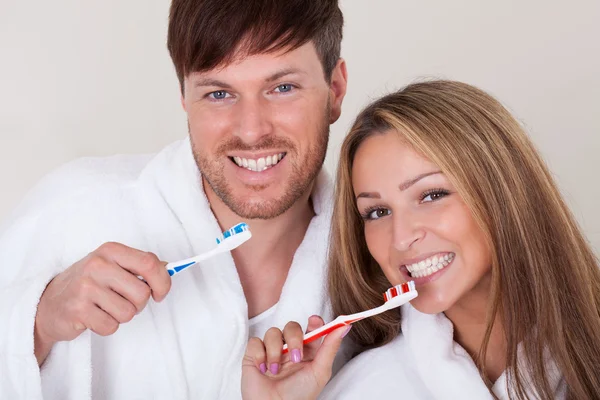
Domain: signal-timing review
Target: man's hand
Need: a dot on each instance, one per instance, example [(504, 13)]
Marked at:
[(98, 293), (300, 374)]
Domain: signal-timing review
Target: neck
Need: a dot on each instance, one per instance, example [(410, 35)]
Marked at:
[(469, 317), (264, 261)]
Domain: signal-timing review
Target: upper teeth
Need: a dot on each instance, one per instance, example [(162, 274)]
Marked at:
[(260, 164), (430, 265)]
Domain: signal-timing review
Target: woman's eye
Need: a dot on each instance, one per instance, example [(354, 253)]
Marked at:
[(378, 213), (433, 195), (286, 87), (219, 95)]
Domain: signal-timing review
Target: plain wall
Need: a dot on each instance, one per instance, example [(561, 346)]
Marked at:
[(94, 78)]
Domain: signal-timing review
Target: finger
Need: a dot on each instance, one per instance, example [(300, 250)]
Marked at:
[(255, 355), (100, 322), (253, 369), (113, 304), (292, 333), (273, 345), (310, 349), (141, 263), (323, 361), (124, 283)]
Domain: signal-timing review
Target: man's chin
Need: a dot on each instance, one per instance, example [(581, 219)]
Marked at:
[(259, 211)]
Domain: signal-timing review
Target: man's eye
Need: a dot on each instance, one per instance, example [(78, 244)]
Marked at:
[(286, 87), (219, 95)]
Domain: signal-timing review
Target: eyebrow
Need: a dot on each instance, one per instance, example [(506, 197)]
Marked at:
[(403, 186), (211, 82), (282, 73), (277, 75)]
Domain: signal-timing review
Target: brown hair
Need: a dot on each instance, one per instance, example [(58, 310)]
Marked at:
[(204, 34), (545, 277)]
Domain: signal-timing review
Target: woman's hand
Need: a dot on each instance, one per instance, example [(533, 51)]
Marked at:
[(300, 374)]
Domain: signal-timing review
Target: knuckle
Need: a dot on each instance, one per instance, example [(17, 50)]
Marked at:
[(254, 342), (273, 333), (292, 333), (94, 263), (141, 297), (149, 261), (127, 313), (145, 293), (107, 327), (292, 326), (162, 288), (274, 353), (110, 329), (256, 349), (108, 247)]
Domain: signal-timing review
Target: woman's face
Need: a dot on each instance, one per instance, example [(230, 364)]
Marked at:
[(416, 226)]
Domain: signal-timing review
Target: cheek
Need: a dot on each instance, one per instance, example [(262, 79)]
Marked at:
[(473, 243), (291, 114), (301, 119), (478, 253), (208, 126), (377, 244)]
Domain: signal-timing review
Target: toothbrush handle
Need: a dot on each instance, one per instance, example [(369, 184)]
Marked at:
[(322, 331), (178, 266)]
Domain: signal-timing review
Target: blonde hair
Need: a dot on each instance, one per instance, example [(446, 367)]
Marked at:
[(545, 277)]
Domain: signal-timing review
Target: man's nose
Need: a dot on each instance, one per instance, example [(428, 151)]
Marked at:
[(254, 120)]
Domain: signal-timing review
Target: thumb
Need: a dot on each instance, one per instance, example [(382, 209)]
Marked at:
[(323, 361), (310, 349)]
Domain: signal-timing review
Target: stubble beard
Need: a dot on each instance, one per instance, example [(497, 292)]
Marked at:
[(304, 172)]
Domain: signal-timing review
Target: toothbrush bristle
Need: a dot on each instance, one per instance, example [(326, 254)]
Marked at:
[(239, 228), (398, 290)]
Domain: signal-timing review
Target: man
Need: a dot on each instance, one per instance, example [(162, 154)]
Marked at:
[(261, 82)]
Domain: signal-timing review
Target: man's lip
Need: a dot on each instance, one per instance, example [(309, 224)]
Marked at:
[(256, 156), (257, 177)]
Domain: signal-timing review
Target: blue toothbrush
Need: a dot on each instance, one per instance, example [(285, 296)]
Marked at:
[(229, 240)]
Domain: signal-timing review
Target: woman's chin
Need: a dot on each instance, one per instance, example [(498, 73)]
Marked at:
[(427, 305)]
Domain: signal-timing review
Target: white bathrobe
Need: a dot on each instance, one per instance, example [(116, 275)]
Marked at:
[(423, 362), (190, 346)]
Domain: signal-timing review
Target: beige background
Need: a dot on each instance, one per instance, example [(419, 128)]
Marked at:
[(94, 78)]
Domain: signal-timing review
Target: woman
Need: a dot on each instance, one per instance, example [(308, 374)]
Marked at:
[(439, 184)]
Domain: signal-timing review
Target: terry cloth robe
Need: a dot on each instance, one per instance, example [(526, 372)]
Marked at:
[(423, 362), (189, 346)]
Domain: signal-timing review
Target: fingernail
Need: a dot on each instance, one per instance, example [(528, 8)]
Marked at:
[(346, 331), (296, 356), (263, 368), (274, 368)]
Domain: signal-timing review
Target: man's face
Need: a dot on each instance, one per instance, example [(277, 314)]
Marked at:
[(259, 128)]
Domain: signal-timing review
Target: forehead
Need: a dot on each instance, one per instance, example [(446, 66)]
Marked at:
[(387, 158), (303, 60)]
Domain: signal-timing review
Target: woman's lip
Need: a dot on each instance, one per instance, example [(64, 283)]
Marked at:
[(425, 279), (424, 257)]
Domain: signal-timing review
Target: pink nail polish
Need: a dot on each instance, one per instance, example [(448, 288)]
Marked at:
[(346, 331), (263, 368), (274, 368), (296, 356)]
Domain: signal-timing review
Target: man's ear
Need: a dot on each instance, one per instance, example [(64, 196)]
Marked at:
[(182, 90), (337, 90)]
